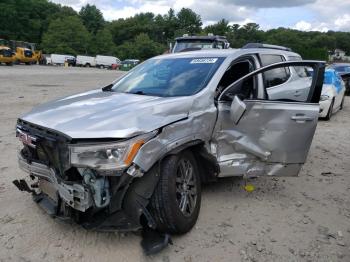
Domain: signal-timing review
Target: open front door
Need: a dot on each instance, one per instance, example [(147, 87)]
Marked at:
[(271, 134)]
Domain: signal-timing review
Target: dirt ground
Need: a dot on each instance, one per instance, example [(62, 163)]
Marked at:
[(285, 219)]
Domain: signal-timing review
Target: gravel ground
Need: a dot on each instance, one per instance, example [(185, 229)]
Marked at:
[(285, 219)]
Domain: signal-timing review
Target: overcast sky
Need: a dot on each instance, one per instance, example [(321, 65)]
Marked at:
[(320, 15)]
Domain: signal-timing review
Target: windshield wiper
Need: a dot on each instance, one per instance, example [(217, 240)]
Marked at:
[(107, 88)]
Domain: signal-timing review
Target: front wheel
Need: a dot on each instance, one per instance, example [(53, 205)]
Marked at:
[(342, 103), (175, 203), (330, 111)]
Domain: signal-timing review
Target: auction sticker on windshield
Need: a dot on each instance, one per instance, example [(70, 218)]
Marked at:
[(204, 61)]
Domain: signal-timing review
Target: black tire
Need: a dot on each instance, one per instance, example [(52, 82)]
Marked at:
[(87, 65), (167, 198), (342, 103), (9, 64), (330, 111), (27, 63)]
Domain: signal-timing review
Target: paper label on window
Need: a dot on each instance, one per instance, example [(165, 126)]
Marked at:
[(204, 61)]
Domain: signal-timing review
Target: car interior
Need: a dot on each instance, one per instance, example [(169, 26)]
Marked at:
[(236, 71)]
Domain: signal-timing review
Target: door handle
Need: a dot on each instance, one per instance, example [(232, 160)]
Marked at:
[(301, 118)]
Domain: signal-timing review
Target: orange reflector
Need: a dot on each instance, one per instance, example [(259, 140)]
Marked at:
[(133, 151)]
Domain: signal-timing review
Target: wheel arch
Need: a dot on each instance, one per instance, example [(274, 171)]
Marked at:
[(207, 164)]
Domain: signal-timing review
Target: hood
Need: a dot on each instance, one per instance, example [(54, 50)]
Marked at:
[(98, 114)]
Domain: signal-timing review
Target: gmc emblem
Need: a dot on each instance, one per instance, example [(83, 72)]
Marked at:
[(26, 138)]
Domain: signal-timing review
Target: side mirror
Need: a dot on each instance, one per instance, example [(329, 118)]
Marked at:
[(238, 107)]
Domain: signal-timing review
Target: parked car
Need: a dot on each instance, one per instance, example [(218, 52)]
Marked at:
[(333, 93), (106, 61), (86, 61), (57, 59), (128, 64), (134, 154), (343, 69)]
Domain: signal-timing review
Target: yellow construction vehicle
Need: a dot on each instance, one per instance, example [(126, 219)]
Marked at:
[(7, 56), (25, 52)]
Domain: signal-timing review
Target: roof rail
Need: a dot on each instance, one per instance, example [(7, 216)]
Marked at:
[(260, 45)]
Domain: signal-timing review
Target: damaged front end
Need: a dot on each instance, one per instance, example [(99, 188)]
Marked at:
[(94, 184)]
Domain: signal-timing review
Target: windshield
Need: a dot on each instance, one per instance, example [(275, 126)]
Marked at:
[(342, 69), (169, 77), (193, 44)]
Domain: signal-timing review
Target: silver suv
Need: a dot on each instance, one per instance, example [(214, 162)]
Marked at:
[(134, 154)]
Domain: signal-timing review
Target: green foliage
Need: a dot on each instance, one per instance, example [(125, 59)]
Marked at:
[(142, 47), (25, 20), (60, 29), (219, 28), (189, 21), (102, 43), (92, 18), (66, 35)]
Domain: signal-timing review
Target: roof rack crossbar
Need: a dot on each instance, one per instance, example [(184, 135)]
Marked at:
[(260, 45)]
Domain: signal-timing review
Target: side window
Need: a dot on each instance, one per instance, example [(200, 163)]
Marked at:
[(277, 76), (295, 90), (236, 71), (220, 45), (301, 72)]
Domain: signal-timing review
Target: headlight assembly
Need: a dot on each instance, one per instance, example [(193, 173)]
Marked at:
[(107, 156)]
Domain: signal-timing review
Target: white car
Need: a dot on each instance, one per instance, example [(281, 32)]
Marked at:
[(332, 96)]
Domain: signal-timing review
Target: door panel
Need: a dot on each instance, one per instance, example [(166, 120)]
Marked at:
[(272, 137), (269, 130)]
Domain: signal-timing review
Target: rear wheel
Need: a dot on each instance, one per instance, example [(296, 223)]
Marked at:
[(330, 111), (9, 64), (87, 65), (175, 203)]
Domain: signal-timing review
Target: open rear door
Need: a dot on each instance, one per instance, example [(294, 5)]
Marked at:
[(270, 134)]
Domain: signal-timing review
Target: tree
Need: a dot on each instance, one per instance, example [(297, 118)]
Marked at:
[(219, 28), (27, 20), (189, 21), (67, 35), (92, 18), (102, 43), (142, 47)]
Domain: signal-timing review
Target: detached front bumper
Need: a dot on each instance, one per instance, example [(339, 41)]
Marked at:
[(68, 200), (324, 107), (75, 195)]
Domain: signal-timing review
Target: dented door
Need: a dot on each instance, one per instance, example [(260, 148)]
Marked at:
[(272, 136)]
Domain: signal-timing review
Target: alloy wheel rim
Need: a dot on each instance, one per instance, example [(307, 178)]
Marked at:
[(186, 187)]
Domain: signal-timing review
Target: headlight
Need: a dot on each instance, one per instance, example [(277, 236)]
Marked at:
[(324, 97), (107, 156)]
